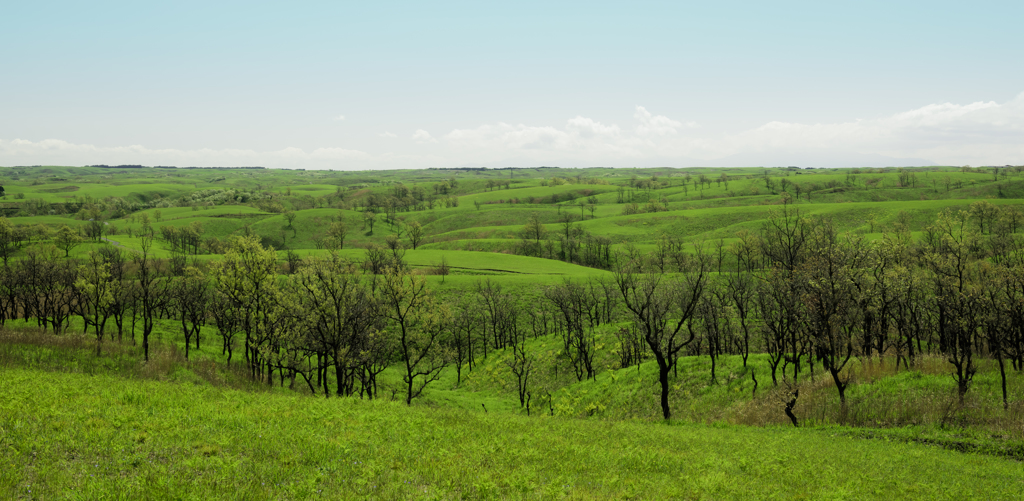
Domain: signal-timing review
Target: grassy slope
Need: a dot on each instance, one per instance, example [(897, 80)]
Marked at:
[(95, 437)]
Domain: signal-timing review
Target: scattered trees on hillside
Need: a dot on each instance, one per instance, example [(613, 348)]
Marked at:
[(796, 290)]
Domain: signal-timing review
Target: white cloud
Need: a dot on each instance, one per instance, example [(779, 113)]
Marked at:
[(581, 137), (57, 152), (387, 134), (977, 134), (421, 136), (339, 117), (658, 125), (981, 133)]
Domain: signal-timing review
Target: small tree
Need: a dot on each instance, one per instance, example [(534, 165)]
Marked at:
[(290, 217), (532, 234), (442, 268), (336, 236), (67, 239), (661, 309), (415, 233), (96, 294), (247, 279), (369, 218), (191, 296), (420, 323), (11, 239), (521, 364), (150, 292), (144, 221)]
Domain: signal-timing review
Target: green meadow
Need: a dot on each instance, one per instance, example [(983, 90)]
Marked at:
[(101, 436)]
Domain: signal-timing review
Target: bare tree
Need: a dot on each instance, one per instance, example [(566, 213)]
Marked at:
[(951, 244), (421, 323), (829, 305), (191, 297), (741, 289), (715, 321), (660, 309), (577, 306), (521, 364), (465, 328), (150, 291)]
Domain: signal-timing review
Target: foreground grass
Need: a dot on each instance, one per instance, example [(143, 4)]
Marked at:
[(95, 437)]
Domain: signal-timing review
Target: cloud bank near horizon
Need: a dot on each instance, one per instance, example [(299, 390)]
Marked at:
[(980, 133)]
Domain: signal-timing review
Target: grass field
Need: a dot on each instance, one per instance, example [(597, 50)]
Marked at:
[(97, 437)]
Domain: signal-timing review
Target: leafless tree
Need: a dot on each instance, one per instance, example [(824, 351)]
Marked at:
[(661, 309)]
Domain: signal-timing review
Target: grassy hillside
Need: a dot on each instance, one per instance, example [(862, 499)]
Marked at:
[(628, 206), (106, 437)]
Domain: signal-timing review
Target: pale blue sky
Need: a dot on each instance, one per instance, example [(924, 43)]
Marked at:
[(520, 83)]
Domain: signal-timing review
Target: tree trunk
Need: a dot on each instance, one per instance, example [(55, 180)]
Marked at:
[(1002, 374), (663, 370)]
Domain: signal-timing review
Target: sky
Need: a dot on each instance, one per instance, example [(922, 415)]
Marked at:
[(388, 84)]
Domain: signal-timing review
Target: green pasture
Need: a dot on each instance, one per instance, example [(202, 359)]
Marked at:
[(102, 436)]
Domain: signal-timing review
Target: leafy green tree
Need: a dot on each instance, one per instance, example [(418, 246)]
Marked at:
[(247, 280), (96, 294), (415, 234), (999, 295), (116, 263), (67, 239), (147, 229), (829, 309), (336, 235), (369, 218), (342, 321), (12, 238)]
